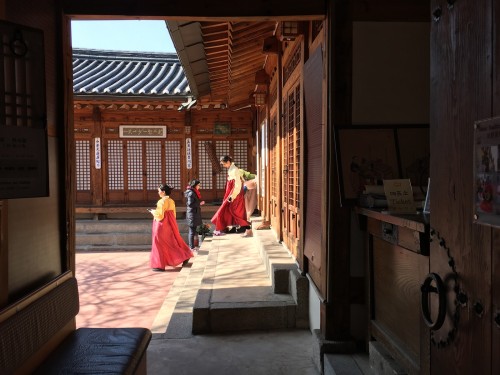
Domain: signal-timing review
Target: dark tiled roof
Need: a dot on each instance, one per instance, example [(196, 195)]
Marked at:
[(123, 73)]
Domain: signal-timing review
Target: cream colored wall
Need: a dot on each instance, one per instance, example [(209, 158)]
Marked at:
[(391, 73), (34, 224), (33, 233)]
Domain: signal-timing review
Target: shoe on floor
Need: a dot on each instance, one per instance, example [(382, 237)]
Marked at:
[(159, 269), (219, 233)]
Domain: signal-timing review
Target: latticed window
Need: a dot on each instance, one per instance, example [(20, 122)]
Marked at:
[(115, 165), (291, 146), (284, 143), (172, 163), (272, 152), (82, 165), (240, 154), (297, 144), (263, 158), (205, 164), (222, 149), (290, 137), (153, 164), (134, 165)]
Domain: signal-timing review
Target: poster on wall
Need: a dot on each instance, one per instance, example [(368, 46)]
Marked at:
[(24, 171), (368, 155), (23, 162), (487, 171)]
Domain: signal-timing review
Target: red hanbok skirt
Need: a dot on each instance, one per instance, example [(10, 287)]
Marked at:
[(168, 247), (231, 213)]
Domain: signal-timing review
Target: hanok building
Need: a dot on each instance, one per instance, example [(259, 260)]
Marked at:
[(137, 125)]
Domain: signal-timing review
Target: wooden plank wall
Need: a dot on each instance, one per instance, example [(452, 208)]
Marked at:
[(104, 121), (461, 88)]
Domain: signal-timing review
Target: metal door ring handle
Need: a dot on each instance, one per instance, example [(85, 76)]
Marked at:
[(440, 290)]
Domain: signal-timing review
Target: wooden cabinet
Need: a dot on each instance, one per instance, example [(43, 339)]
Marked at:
[(398, 262)]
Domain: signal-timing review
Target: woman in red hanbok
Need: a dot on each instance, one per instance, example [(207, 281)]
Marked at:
[(232, 210), (168, 247)]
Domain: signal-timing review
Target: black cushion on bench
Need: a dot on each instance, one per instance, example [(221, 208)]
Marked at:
[(98, 351)]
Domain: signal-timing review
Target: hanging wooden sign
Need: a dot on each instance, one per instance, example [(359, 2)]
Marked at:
[(143, 131)]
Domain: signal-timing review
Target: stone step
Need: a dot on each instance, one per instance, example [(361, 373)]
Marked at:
[(113, 248), (120, 226), (113, 238), (346, 364), (279, 303), (234, 317), (117, 234)]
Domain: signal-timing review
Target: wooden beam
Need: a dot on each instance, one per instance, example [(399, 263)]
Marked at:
[(390, 10), (197, 9)]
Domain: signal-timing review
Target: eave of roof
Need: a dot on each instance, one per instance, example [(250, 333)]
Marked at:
[(128, 74)]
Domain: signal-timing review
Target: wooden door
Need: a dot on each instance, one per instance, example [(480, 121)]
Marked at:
[(314, 240), (133, 169), (275, 173), (461, 252), (85, 181), (291, 167)]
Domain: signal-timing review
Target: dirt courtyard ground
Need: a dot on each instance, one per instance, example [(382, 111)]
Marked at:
[(118, 289)]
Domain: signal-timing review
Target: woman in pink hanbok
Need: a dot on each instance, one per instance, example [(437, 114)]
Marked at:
[(168, 247)]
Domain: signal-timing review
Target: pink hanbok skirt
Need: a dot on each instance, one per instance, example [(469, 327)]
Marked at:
[(168, 247)]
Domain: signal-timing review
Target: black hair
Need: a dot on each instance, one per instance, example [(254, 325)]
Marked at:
[(165, 188), (226, 158), (194, 182)]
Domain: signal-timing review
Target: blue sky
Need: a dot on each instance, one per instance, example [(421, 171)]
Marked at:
[(133, 35)]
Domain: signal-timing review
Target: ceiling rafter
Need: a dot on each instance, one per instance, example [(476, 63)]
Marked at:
[(233, 54)]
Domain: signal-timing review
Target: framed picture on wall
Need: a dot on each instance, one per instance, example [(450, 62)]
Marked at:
[(222, 128), (24, 142), (372, 153), (487, 172), (414, 156), (366, 156)]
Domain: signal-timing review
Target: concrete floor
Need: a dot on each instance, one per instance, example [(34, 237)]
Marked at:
[(164, 303), (238, 274), (278, 352)]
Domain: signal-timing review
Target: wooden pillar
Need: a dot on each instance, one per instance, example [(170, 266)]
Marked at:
[(67, 143), (335, 311)]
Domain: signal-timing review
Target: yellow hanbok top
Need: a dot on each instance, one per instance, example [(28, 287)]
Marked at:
[(164, 204)]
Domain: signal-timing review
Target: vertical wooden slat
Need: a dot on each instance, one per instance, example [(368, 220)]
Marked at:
[(335, 312), (65, 145), (4, 255), (313, 172)]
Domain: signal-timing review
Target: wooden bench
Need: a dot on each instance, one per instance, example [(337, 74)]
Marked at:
[(38, 335)]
